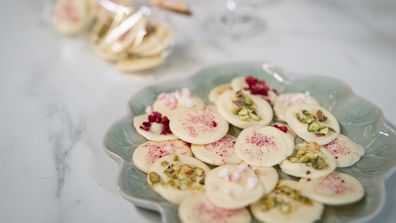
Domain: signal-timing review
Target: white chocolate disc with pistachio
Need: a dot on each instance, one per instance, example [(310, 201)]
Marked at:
[(308, 160), (199, 209), (198, 126), (72, 16), (285, 204), (147, 153), (233, 186), (175, 177), (168, 103), (244, 110), (268, 176), (217, 91), (284, 101), (266, 146), (154, 134), (217, 153), (345, 151), (239, 83), (313, 123), (334, 189)]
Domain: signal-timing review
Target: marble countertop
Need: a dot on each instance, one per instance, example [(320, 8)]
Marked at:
[(58, 98)]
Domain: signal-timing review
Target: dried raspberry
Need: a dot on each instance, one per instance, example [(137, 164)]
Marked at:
[(214, 124), (256, 86), (155, 117), (283, 128)]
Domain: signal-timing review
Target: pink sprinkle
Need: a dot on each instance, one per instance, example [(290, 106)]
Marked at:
[(217, 214), (157, 150), (288, 100), (235, 176), (173, 99), (251, 182), (68, 11), (337, 147), (223, 147), (335, 183), (199, 122), (261, 140)]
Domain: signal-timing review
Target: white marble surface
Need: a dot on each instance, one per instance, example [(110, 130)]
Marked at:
[(58, 99)]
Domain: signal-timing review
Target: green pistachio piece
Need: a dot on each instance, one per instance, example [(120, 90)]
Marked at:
[(247, 100), (244, 117), (320, 115), (319, 163), (285, 208), (306, 159), (313, 127), (244, 111), (154, 177), (254, 116)]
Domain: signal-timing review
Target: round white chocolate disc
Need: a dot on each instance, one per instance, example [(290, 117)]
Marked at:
[(284, 101), (268, 176), (298, 169), (301, 129), (217, 91), (266, 146), (147, 153), (334, 189), (154, 134), (176, 190), (225, 106), (199, 209), (345, 151), (233, 186), (198, 126), (217, 153), (290, 210)]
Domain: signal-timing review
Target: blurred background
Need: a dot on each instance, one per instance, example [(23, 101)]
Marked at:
[(62, 83)]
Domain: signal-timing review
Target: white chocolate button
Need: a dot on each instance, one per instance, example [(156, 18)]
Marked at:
[(233, 186), (71, 16), (292, 211), (298, 169), (334, 189), (155, 131), (217, 153), (263, 147), (198, 126), (168, 192), (301, 129), (268, 176), (147, 153), (217, 91), (345, 151), (199, 209), (225, 106), (284, 101)]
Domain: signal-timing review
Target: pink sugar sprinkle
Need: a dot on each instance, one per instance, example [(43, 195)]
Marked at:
[(235, 176), (200, 122), (222, 147), (173, 99), (261, 140), (158, 150), (217, 214), (337, 147), (335, 183), (288, 100)]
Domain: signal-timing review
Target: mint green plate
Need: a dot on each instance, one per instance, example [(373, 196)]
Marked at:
[(359, 119)]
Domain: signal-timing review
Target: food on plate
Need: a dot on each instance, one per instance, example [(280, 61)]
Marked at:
[(147, 153), (268, 177), (334, 189), (286, 204), (345, 151), (217, 91), (309, 160), (254, 86), (284, 101), (153, 126), (313, 123), (175, 177)]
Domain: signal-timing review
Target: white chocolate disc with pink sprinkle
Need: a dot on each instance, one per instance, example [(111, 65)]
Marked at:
[(168, 103), (169, 193), (304, 170), (225, 106), (217, 91), (299, 212), (265, 147), (154, 134), (198, 126), (239, 83), (268, 176), (284, 101), (334, 189), (301, 129), (199, 209), (233, 186), (217, 153), (147, 153), (345, 151)]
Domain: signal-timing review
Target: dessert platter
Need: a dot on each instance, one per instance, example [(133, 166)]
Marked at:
[(244, 143)]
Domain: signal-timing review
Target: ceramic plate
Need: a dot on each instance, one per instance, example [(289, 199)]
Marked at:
[(359, 119)]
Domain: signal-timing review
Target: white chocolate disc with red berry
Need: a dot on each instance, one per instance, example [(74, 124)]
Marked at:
[(72, 16), (345, 151), (147, 153), (217, 153), (285, 204), (265, 147), (233, 186), (198, 126), (334, 189), (285, 128), (268, 177), (312, 164), (287, 136), (227, 107), (240, 83), (168, 103), (284, 101), (154, 133), (199, 209), (175, 177), (313, 123), (217, 91)]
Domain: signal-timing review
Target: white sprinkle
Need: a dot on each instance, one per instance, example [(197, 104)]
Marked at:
[(223, 174), (251, 182)]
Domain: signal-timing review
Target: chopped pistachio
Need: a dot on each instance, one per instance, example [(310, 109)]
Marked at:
[(285, 208), (243, 111), (314, 127), (176, 158), (319, 163), (244, 107), (164, 163), (320, 115), (154, 177), (314, 121)]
